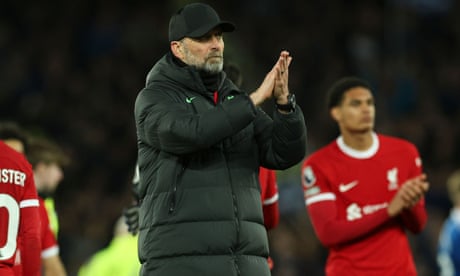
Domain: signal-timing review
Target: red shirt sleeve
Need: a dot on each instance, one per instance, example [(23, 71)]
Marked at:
[(269, 195), (415, 218), (30, 230), (332, 231), (30, 233)]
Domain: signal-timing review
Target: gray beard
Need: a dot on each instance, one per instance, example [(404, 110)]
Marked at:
[(213, 68), (207, 66)]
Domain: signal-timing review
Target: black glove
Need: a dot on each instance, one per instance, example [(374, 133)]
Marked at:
[(131, 215)]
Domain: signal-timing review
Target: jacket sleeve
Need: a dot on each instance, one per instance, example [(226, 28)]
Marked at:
[(167, 124), (282, 140)]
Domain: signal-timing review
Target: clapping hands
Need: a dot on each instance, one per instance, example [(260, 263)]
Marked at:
[(275, 83), (408, 195)]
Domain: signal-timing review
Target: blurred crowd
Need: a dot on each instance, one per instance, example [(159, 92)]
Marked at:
[(72, 69)]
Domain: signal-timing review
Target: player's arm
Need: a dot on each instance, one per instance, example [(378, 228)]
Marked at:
[(270, 198), (53, 266), (414, 217), (331, 228), (51, 262), (30, 233), (271, 214)]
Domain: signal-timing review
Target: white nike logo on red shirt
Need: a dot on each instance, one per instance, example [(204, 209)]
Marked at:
[(345, 187)]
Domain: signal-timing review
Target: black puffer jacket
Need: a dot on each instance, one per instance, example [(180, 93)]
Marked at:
[(201, 212)]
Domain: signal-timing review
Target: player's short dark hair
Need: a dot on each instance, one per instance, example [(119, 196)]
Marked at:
[(335, 93), (12, 131)]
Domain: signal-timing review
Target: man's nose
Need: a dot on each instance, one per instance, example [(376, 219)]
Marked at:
[(216, 41)]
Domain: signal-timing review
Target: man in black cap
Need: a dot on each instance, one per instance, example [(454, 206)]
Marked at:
[(201, 141)]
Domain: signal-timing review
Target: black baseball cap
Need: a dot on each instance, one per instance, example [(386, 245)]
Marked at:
[(195, 20)]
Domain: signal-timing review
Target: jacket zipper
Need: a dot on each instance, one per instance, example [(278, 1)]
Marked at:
[(237, 268), (237, 221), (172, 203)]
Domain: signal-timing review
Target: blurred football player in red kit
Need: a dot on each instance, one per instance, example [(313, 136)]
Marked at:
[(47, 160), (269, 194), (364, 190), (19, 218)]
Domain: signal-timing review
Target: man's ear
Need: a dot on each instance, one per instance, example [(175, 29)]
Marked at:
[(335, 113), (176, 49)]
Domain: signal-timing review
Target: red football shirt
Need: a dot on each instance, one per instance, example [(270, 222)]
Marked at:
[(19, 221), (269, 194), (347, 193)]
